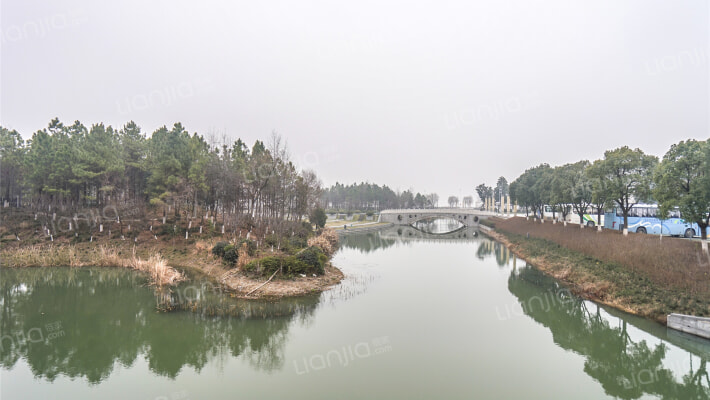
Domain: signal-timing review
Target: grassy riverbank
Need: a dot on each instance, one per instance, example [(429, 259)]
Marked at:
[(641, 274), (154, 265), (155, 249)]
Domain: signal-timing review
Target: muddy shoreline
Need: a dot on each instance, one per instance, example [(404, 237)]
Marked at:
[(245, 287)]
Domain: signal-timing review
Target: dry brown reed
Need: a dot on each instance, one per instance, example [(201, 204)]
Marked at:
[(155, 266), (677, 262), (243, 256), (158, 270), (326, 241)]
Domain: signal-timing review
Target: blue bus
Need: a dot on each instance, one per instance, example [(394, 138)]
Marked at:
[(643, 218)]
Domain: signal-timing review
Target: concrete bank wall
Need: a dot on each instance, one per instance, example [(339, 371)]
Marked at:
[(699, 326)]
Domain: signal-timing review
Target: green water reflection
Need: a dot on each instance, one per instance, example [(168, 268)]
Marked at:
[(461, 313), (626, 367), (80, 322)]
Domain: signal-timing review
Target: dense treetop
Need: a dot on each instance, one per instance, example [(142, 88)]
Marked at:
[(622, 179), (71, 167), (372, 197)]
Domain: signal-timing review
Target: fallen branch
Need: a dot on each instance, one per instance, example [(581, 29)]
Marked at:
[(260, 286), (227, 274)]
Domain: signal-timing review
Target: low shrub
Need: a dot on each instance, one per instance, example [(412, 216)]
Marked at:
[(231, 255), (227, 252), (307, 228), (307, 262), (268, 265), (164, 230), (219, 248), (298, 242), (314, 258), (271, 240)]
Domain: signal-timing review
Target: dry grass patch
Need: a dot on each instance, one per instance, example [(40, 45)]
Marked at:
[(326, 241), (155, 266), (672, 262)]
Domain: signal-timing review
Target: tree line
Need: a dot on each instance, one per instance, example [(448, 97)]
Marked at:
[(466, 201), (367, 196), (622, 179), (70, 167), (500, 191)]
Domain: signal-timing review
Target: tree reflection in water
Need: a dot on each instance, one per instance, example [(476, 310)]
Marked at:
[(108, 316), (626, 368), (502, 254)]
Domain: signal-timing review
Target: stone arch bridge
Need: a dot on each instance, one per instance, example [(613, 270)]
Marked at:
[(467, 216)]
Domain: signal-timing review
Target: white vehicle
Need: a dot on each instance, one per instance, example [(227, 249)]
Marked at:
[(589, 217)]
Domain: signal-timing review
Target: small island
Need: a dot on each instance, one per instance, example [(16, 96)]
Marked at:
[(170, 205), (251, 265)]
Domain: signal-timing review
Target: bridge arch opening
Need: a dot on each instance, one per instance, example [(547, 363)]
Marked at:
[(438, 224)]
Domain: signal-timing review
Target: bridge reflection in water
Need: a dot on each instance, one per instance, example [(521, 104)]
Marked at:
[(629, 356), (94, 321), (438, 225), (382, 239)]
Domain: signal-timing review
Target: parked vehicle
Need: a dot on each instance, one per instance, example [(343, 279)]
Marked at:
[(644, 218)]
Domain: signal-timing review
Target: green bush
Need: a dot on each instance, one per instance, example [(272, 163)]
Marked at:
[(230, 255), (264, 266), (314, 258), (228, 252), (218, 249), (286, 247), (271, 240), (295, 266), (165, 229), (309, 261), (361, 217), (305, 231), (298, 242)]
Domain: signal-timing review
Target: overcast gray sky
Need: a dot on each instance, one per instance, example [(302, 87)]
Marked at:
[(435, 96)]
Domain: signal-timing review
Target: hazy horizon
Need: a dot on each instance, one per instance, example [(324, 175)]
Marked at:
[(434, 97)]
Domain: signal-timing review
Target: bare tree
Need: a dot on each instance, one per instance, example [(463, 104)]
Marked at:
[(433, 199), (468, 201)]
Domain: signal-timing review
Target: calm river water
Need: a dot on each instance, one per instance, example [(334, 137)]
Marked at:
[(419, 316)]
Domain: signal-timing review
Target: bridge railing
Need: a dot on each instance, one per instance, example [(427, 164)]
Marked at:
[(426, 210)]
